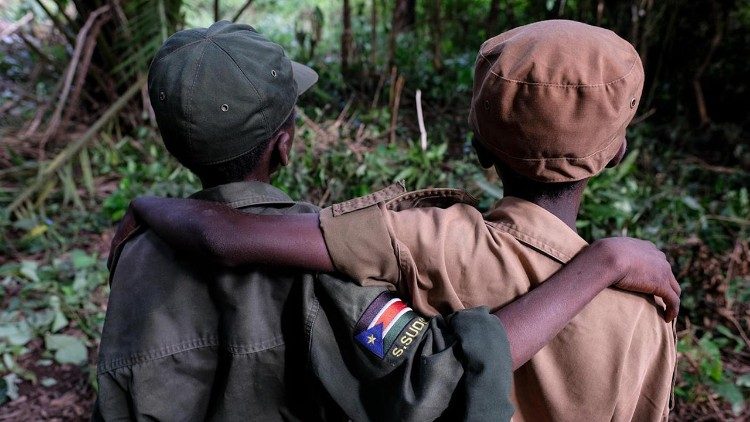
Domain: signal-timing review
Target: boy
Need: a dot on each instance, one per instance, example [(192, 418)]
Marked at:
[(185, 340), (550, 106)]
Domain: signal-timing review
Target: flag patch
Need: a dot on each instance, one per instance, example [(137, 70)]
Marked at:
[(381, 323)]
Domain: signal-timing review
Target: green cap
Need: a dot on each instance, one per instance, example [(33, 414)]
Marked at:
[(218, 92)]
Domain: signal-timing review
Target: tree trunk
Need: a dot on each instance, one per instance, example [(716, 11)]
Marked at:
[(374, 33), (404, 15), (437, 36), (720, 17), (510, 17), (599, 12), (346, 38), (393, 33), (492, 18), (561, 8)]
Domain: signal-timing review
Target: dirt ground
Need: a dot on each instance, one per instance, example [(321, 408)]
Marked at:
[(70, 399)]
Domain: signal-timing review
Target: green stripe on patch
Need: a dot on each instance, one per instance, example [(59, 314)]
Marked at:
[(407, 339), (399, 325)]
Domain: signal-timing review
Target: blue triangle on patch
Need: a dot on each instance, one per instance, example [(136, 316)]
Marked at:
[(372, 339)]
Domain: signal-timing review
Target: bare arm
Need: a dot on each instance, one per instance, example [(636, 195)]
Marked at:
[(233, 238)]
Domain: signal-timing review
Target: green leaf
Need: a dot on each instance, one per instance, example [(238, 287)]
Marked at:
[(48, 382), (404, 174), (81, 259), (68, 349), (8, 362), (29, 270), (692, 203), (80, 282), (41, 320), (627, 165), (490, 189), (16, 333), (732, 394), (9, 387), (60, 320), (740, 343)]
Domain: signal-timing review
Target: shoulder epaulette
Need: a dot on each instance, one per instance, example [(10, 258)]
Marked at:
[(396, 198)]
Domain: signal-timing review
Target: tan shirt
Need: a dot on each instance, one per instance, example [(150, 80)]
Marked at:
[(614, 361)]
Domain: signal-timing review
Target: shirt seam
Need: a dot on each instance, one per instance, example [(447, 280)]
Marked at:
[(309, 326), (246, 198), (236, 349), (261, 200), (154, 354), (143, 362), (394, 245), (186, 346), (460, 196), (530, 240)]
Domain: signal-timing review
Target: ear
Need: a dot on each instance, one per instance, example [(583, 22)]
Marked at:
[(484, 157), (282, 145), (620, 154)]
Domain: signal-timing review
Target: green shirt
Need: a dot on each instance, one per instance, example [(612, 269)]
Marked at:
[(184, 340)]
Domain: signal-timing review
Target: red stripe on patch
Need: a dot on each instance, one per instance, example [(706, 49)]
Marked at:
[(390, 313)]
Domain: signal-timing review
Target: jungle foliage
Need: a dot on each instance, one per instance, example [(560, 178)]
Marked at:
[(78, 142)]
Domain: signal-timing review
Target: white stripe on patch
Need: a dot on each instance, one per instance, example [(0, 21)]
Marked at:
[(382, 311)]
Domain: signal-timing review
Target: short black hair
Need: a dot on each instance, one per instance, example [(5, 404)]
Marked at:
[(237, 169)]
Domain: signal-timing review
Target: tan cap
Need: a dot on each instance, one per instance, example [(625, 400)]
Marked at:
[(552, 99)]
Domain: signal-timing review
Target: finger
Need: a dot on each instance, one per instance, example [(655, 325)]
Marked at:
[(675, 286), (673, 305)]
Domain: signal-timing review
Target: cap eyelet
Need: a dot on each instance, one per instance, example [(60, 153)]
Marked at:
[(273, 73), (487, 105), (224, 107), (162, 96), (633, 102)]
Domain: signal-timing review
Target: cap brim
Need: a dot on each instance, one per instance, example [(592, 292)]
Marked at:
[(304, 76)]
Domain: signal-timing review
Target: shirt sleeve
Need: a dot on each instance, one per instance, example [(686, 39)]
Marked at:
[(456, 367), (422, 252)]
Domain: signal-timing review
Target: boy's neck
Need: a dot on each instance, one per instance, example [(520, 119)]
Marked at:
[(260, 174), (564, 204)]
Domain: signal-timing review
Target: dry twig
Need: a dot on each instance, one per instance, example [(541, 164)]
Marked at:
[(394, 111), (56, 119), (15, 26), (72, 149), (420, 119)]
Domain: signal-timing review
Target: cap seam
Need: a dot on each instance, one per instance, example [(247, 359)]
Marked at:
[(190, 102), (599, 151), (179, 48), (262, 112), (548, 84)]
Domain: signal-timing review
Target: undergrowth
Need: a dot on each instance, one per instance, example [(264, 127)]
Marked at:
[(54, 281)]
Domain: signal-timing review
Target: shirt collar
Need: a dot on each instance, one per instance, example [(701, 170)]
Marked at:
[(244, 194), (536, 227)]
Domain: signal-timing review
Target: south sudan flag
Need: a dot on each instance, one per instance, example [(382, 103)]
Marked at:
[(381, 323)]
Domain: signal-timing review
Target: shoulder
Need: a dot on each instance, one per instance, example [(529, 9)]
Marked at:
[(431, 198), (396, 198)]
